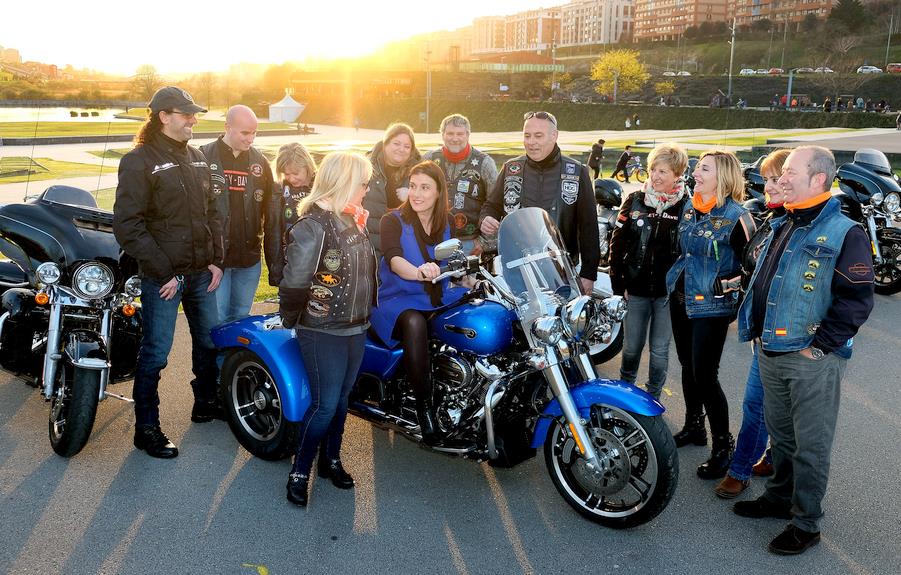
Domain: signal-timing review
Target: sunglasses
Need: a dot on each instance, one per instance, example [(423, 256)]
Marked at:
[(541, 116)]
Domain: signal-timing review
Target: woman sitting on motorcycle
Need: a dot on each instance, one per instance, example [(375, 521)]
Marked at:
[(326, 295), (713, 232), (642, 249), (409, 236)]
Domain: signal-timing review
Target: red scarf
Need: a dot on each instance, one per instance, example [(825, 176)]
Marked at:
[(456, 158), (358, 213), (809, 202), (701, 205)]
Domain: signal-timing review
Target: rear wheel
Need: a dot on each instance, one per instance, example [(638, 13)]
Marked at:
[(620, 176), (253, 407), (639, 467), (888, 274), (73, 407)]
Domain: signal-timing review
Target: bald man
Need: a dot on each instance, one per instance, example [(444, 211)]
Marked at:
[(245, 194)]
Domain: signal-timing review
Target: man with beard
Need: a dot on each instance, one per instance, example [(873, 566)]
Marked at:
[(469, 173), (558, 184)]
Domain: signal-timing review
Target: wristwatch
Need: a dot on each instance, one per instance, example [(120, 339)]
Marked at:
[(817, 353)]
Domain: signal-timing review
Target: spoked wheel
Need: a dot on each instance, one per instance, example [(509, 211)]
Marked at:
[(253, 407), (638, 469), (888, 275), (641, 175), (73, 407), (620, 176)]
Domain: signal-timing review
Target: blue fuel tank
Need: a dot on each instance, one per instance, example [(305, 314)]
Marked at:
[(479, 327)]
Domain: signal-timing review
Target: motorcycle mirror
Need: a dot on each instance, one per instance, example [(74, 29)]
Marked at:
[(447, 248)]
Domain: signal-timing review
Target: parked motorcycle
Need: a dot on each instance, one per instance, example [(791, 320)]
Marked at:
[(754, 189), (871, 195), (511, 373), (608, 195), (69, 325)]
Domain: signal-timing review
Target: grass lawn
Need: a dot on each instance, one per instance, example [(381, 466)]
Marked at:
[(44, 168), (50, 129)]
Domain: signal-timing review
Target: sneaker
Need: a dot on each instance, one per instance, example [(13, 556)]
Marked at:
[(793, 541), (760, 508), (204, 411), (152, 440)]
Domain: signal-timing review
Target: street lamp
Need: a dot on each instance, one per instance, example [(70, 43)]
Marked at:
[(731, 59)]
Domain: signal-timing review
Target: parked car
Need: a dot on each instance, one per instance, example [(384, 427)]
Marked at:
[(669, 73), (747, 72), (804, 71), (824, 70), (684, 73), (762, 71), (775, 71), (869, 70), (893, 68)]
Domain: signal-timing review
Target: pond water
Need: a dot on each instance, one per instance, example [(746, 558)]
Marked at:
[(60, 115)]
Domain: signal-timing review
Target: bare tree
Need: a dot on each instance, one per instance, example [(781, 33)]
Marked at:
[(145, 82), (834, 53)]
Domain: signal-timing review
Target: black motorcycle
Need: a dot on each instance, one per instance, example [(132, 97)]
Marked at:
[(871, 195), (69, 322), (754, 189), (608, 196)]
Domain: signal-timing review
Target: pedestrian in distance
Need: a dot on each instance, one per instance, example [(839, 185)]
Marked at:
[(622, 163), (595, 156)]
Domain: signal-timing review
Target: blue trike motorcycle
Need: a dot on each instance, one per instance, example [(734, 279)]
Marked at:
[(511, 373)]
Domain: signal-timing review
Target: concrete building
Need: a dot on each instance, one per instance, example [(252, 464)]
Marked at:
[(667, 19), (534, 30), (780, 11), (10, 56), (488, 35), (595, 22)]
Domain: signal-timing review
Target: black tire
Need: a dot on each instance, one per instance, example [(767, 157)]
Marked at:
[(253, 407), (73, 408), (620, 176), (601, 354), (641, 175), (631, 490), (888, 275)]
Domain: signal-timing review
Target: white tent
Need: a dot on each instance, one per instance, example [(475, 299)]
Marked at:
[(287, 110)]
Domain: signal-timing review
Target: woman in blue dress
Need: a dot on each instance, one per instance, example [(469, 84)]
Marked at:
[(406, 295)]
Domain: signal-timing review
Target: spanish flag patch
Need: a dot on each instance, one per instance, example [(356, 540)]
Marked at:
[(699, 297), (781, 331)]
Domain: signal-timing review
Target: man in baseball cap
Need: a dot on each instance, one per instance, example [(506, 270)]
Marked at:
[(174, 98)]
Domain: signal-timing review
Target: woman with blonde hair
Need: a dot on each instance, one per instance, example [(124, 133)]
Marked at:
[(296, 170), (642, 249), (326, 295), (704, 285)]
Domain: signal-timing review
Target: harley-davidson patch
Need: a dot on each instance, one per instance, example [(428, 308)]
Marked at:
[(258, 195), (256, 170), (569, 191), (317, 308)]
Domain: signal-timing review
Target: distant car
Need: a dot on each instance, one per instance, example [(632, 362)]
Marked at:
[(763, 71), (669, 73), (804, 71), (683, 73), (747, 72), (893, 68), (775, 71), (824, 70), (869, 70)]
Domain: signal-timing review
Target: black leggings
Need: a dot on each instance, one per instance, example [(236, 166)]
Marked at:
[(412, 330), (699, 344)]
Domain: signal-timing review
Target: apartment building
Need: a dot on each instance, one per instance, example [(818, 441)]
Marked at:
[(595, 22), (667, 19), (780, 11)]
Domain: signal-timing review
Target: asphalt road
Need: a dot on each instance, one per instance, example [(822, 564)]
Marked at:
[(214, 509)]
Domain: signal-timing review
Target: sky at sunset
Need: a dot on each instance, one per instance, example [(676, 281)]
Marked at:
[(199, 35)]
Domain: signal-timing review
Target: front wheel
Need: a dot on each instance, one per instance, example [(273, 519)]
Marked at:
[(73, 407), (641, 175), (253, 407), (639, 467), (888, 275)]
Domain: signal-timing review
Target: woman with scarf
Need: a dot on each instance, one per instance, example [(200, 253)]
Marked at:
[(752, 437), (326, 295), (704, 285), (642, 250), (296, 170), (409, 236)]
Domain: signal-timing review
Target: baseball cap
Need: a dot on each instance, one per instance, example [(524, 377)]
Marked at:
[(172, 97)]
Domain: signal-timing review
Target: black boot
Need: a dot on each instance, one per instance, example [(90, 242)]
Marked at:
[(332, 469), (693, 432), (427, 425), (720, 458), (297, 489)]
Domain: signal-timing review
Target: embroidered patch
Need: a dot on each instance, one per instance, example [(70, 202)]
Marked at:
[(688, 215), (214, 167), (781, 331), (289, 213), (332, 260), (514, 167), (708, 234), (321, 293), (258, 195), (622, 217), (329, 280), (512, 192), (256, 170), (859, 269), (639, 223), (463, 186), (635, 214), (569, 191), (459, 201), (317, 308), (699, 297), (460, 221), (812, 328), (570, 168)]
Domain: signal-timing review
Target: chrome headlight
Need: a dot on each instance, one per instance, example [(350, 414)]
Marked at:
[(892, 203), (577, 317), (133, 286), (92, 280), (48, 273), (615, 307), (548, 329), (876, 198)]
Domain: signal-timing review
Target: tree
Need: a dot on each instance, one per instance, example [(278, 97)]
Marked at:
[(664, 88), (145, 82), (844, 80), (621, 67), (850, 13), (810, 23), (762, 25)]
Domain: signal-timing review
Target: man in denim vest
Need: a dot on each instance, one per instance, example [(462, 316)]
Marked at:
[(810, 293)]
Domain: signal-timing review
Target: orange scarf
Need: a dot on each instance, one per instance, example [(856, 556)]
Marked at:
[(358, 213), (702, 206), (809, 202)]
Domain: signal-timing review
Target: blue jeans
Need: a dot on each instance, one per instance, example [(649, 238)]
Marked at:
[(332, 363), (159, 318), (752, 437), (234, 296), (647, 312)]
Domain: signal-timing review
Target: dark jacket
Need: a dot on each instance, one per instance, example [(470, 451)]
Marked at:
[(329, 281), (261, 207), (468, 183), (597, 152), (643, 247), (561, 186), (287, 216), (375, 200), (165, 213)]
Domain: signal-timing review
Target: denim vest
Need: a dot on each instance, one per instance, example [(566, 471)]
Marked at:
[(801, 290), (705, 255)]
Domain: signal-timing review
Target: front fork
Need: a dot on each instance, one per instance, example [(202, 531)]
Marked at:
[(874, 241), (52, 354), (574, 420)]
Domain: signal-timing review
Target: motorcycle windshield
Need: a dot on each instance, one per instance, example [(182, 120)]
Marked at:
[(534, 263)]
